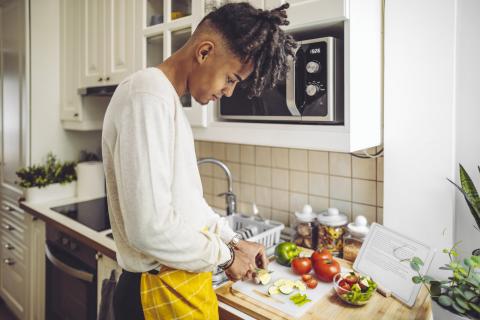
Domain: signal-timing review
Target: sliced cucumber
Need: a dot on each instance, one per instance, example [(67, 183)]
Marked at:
[(300, 285), (279, 282), (273, 290), (264, 278), (286, 289)]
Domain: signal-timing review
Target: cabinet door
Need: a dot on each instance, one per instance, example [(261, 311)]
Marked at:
[(303, 12), (92, 49), (13, 93), (120, 47), (70, 100)]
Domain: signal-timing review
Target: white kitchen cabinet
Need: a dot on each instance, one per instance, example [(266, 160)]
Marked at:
[(105, 265), (359, 24), (107, 39)]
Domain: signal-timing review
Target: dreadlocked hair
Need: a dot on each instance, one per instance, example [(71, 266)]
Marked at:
[(255, 35)]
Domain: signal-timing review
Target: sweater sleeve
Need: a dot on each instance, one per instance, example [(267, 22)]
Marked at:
[(144, 166)]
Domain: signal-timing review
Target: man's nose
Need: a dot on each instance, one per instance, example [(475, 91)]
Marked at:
[(228, 91)]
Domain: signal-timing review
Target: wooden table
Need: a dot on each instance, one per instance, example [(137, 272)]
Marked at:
[(331, 307)]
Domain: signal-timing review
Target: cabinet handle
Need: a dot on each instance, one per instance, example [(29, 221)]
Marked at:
[(6, 207), (100, 79), (107, 78), (7, 227), (9, 262), (75, 115), (8, 246), (98, 256)]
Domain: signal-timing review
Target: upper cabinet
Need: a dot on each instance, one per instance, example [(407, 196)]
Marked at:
[(107, 41)]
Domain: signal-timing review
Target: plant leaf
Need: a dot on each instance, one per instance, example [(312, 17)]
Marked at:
[(473, 205), (445, 300), (417, 279), (458, 308), (474, 307), (462, 303), (414, 266)]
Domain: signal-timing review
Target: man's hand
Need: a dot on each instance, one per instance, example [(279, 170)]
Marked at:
[(241, 269), (255, 252)]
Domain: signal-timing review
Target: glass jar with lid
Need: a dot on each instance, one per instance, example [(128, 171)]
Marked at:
[(304, 227), (331, 227), (353, 239)]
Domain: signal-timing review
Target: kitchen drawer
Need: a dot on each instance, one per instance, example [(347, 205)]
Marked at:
[(10, 209), (12, 247), (13, 281), (13, 228)]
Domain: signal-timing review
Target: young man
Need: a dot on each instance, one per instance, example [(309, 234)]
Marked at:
[(168, 238)]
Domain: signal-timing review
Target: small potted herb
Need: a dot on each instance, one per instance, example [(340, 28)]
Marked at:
[(49, 181), (458, 297)]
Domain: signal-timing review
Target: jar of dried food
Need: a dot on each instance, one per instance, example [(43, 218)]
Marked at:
[(331, 227), (353, 239), (304, 227)]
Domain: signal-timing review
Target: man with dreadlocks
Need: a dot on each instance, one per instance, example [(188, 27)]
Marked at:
[(168, 239)]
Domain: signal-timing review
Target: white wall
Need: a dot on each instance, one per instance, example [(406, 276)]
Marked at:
[(419, 119), (47, 133), (467, 114)]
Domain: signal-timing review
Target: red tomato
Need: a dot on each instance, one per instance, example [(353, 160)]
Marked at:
[(321, 255), (301, 265), (306, 277), (312, 283), (326, 269), (344, 284), (351, 279)]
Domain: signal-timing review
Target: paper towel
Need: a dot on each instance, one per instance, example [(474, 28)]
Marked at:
[(90, 179)]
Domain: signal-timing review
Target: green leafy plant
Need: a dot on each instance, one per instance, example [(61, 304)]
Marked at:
[(470, 193), (461, 292), (53, 171)]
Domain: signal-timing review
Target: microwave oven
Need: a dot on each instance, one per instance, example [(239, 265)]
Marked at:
[(312, 91)]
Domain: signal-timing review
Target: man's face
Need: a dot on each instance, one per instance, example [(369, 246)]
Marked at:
[(216, 74)]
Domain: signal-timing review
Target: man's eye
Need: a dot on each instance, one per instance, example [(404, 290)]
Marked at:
[(230, 80)]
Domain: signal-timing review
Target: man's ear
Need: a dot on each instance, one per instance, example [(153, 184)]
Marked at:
[(204, 50)]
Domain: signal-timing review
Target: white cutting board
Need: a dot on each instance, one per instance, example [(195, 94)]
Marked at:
[(287, 307)]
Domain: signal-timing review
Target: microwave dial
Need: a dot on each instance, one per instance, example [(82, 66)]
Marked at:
[(313, 67), (312, 89)]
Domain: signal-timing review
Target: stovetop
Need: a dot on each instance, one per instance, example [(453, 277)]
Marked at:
[(92, 213)]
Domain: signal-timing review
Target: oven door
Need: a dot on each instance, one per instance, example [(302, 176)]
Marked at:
[(71, 287)]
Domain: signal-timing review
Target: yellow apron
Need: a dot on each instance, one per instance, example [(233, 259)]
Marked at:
[(178, 294)]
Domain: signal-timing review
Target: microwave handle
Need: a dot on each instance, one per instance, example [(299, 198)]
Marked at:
[(290, 87), (76, 273)]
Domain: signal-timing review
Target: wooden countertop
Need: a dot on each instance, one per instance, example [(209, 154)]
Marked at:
[(331, 307)]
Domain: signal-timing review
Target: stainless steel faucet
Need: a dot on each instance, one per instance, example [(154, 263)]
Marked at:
[(230, 198)]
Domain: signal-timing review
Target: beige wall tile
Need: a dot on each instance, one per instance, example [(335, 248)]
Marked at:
[(197, 148), (280, 216), (380, 169), (219, 151), (370, 212), (237, 190), (219, 173), (380, 194), (248, 192), (364, 191), (244, 208), (234, 170), (280, 199), (247, 173), (280, 179), (263, 196), (206, 169), (343, 206), (280, 158), (318, 161), (219, 202), (207, 185), (264, 212), (299, 181), (318, 204), (232, 152), (219, 186), (263, 156), (364, 168), (340, 188), (297, 201), (318, 184), (298, 159), (263, 176), (206, 149), (247, 154), (380, 215), (340, 164), (209, 199)]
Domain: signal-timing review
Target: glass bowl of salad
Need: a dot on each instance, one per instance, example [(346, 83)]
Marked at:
[(354, 288)]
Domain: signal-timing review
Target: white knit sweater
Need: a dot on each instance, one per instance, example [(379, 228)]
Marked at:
[(155, 197)]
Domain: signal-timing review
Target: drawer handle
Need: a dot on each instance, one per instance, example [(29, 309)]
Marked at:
[(7, 207), (8, 246), (7, 227), (9, 262), (100, 79)]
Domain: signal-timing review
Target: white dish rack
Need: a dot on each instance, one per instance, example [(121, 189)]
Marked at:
[(267, 231)]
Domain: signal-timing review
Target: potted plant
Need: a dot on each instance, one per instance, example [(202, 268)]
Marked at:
[(470, 193), (50, 181), (458, 297)]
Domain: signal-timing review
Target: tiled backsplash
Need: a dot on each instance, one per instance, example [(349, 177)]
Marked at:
[(281, 180)]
